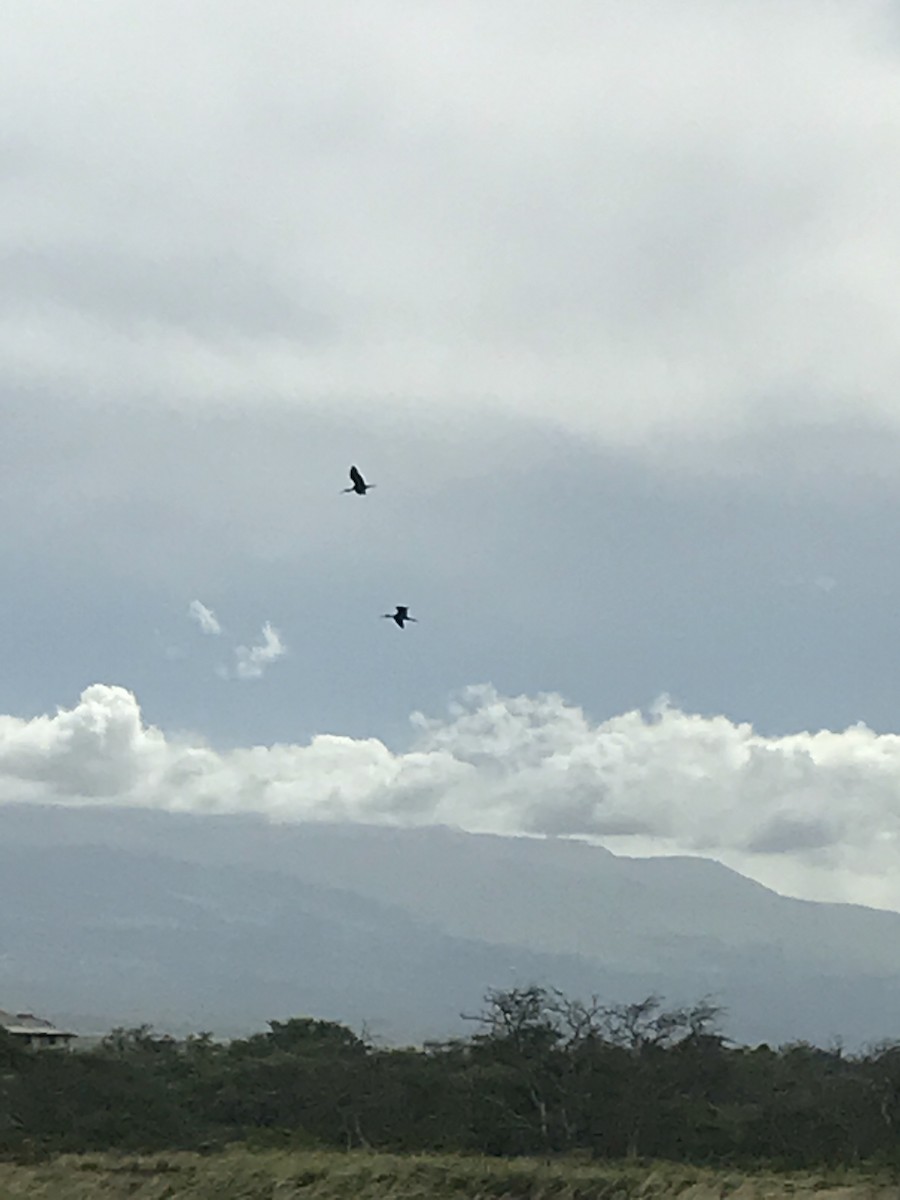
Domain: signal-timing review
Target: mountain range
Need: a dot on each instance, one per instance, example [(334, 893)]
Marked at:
[(115, 916)]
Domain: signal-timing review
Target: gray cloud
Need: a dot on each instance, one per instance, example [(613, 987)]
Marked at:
[(633, 222), (211, 296), (785, 834)]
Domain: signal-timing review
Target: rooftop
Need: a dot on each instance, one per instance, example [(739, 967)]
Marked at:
[(28, 1023)]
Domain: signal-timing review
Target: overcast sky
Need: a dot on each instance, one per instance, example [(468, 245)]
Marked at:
[(604, 299)]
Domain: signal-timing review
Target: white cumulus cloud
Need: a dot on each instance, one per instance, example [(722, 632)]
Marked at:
[(205, 618), (816, 814)]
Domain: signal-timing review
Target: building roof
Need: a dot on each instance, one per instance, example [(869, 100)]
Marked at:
[(28, 1023)]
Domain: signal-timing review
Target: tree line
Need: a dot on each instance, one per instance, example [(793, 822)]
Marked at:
[(541, 1074)]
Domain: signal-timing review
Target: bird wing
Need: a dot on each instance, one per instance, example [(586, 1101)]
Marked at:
[(355, 475), (402, 610)]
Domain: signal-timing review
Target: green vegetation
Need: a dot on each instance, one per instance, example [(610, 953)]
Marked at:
[(542, 1076)]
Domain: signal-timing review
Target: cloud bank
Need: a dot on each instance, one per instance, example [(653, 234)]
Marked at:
[(633, 220), (816, 814)]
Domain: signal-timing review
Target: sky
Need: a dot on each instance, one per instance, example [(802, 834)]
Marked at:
[(601, 297)]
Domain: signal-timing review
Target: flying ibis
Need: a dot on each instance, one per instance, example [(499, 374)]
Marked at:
[(400, 616), (359, 484)]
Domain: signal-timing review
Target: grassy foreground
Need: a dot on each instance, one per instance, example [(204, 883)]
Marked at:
[(239, 1174)]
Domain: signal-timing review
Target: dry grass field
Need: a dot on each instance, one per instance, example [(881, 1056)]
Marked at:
[(239, 1174)]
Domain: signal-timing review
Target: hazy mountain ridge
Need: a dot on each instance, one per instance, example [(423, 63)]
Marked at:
[(224, 922), (133, 938)]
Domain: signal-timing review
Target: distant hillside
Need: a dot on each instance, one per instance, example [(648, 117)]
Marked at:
[(223, 922)]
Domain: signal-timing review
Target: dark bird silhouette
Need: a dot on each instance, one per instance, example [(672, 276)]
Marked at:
[(359, 484), (401, 615)]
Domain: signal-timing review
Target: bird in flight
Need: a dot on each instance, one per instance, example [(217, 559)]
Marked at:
[(400, 616), (359, 484)]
